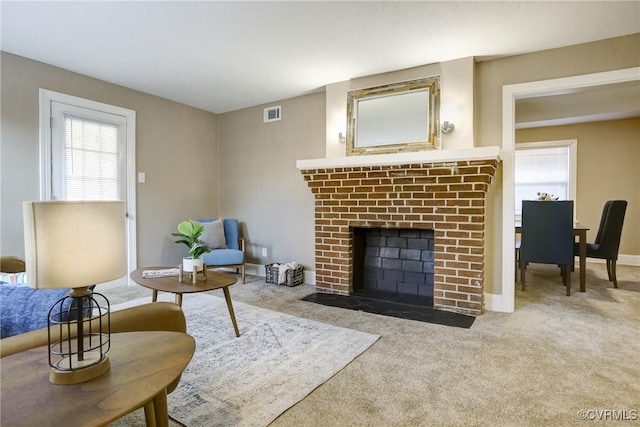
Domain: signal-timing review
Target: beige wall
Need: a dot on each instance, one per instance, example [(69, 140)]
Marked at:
[(491, 76), (456, 101), (604, 55), (260, 184), (175, 145), (608, 169)]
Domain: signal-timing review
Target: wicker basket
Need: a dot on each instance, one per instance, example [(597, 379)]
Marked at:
[(293, 277)]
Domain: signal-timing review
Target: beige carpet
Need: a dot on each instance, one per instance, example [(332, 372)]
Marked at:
[(542, 365)]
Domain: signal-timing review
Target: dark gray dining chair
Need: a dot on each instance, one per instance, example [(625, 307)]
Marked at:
[(547, 236), (607, 243)]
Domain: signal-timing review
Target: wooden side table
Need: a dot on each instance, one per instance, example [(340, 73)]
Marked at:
[(214, 280), (143, 364)]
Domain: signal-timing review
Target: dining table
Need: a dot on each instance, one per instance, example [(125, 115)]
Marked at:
[(579, 231)]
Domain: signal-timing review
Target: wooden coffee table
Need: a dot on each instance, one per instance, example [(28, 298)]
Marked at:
[(214, 280), (143, 365)]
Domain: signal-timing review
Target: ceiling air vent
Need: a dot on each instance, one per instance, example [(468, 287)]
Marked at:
[(272, 114)]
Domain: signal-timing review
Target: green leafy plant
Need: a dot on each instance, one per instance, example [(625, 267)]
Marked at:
[(189, 233)]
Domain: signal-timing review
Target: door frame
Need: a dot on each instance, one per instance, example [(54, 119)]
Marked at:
[(511, 93), (49, 96)]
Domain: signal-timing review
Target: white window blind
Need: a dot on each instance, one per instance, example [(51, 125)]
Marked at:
[(91, 166), (542, 170)]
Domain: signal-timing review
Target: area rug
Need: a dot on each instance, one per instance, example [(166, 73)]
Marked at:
[(250, 380)]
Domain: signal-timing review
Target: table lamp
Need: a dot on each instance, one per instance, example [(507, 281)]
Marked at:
[(76, 244)]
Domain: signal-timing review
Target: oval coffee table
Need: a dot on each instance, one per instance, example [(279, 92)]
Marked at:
[(143, 365), (213, 281)]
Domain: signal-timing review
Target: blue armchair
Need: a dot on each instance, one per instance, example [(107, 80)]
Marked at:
[(231, 253)]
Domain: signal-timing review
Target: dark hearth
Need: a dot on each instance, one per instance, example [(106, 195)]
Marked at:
[(420, 313)]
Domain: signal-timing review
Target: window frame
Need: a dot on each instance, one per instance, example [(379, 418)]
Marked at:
[(115, 120), (572, 145)]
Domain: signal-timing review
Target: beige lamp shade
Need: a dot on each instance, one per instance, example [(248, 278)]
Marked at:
[(72, 244)]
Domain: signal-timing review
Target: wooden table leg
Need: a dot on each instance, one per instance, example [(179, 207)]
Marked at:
[(160, 409), (179, 299), (582, 244), (227, 297), (154, 296), (149, 414)]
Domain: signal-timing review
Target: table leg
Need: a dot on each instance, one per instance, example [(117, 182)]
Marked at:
[(160, 408), (154, 296), (582, 244), (179, 299), (227, 297), (149, 414)]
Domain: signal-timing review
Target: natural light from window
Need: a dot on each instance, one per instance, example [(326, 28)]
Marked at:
[(544, 167), (91, 160)]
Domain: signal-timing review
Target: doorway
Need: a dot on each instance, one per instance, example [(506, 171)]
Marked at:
[(87, 152), (511, 93)]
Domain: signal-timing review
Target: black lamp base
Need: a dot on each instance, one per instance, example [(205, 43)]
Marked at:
[(79, 337)]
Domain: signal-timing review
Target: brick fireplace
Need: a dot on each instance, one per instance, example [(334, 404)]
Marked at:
[(441, 191)]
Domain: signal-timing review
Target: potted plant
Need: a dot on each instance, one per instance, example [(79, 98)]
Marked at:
[(189, 233)]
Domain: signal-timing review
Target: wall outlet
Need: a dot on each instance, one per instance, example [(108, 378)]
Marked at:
[(264, 252)]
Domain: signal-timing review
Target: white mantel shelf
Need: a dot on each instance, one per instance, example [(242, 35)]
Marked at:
[(455, 155)]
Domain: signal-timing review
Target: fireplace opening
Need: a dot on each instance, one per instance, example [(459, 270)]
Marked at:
[(394, 264)]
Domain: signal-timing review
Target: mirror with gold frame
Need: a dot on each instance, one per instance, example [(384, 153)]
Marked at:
[(394, 118)]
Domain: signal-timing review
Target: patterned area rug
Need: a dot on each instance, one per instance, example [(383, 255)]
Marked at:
[(250, 380)]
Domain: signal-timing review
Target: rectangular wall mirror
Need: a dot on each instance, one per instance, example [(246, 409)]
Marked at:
[(394, 118)]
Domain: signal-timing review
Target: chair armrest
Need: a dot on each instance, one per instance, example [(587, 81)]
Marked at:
[(11, 264), (159, 316), (243, 243)]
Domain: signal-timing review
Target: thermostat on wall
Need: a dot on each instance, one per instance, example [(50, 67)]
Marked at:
[(272, 114)]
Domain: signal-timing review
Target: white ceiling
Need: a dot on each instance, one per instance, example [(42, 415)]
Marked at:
[(224, 56)]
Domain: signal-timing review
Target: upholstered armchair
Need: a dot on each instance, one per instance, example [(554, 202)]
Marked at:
[(607, 243), (547, 236), (222, 235)]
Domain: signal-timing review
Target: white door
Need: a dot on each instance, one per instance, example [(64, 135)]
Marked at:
[(86, 155)]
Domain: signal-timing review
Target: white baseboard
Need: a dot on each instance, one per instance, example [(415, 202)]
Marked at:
[(310, 277), (495, 302), (633, 260), (255, 269)]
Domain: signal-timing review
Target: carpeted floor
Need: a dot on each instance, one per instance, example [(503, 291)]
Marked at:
[(553, 362), (250, 380)]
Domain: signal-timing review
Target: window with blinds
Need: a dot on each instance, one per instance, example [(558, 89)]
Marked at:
[(542, 168), (91, 160)]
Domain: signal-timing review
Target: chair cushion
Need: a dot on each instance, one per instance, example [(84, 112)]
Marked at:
[(231, 231), (223, 257), (213, 235), (593, 250)]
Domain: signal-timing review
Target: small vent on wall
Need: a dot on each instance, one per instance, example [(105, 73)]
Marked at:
[(272, 114)]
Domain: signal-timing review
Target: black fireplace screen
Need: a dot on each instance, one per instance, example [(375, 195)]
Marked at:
[(393, 261)]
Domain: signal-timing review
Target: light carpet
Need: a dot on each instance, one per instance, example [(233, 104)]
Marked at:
[(250, 380)]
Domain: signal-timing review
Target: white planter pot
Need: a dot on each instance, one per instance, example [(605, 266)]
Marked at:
[(188, 263)]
